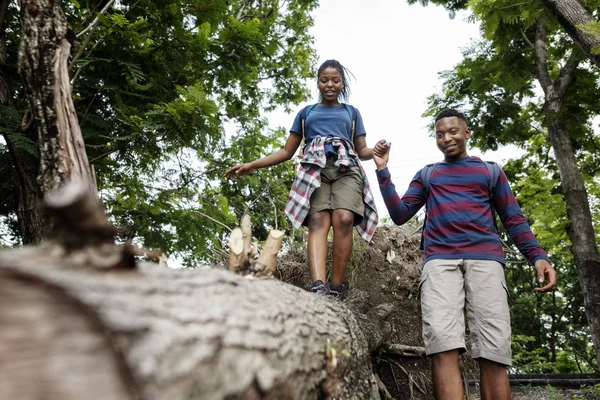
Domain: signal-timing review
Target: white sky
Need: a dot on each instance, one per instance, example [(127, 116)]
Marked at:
[(395, 52)]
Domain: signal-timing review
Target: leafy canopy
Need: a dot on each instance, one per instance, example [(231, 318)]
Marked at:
[(171, 93)]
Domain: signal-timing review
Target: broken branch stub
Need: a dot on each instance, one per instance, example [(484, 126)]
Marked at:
[(81, 231), (76, 205), (268, 256), (238, 259), (247, 233)]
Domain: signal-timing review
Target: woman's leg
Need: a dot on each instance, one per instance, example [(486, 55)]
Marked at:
[(318, 228), (343, 222)]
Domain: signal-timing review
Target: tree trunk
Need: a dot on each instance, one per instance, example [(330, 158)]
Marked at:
[(43, 57), (32, 222), (159, 333), (580, 229), (29, 195), (570, 14)]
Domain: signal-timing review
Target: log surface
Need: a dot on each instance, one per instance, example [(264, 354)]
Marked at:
[(159, 333)]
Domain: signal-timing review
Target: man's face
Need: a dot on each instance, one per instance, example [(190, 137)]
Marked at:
[(451, 134)]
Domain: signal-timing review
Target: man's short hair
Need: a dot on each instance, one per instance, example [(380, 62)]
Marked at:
[(450, 112)]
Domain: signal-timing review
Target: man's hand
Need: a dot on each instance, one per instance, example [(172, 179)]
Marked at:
[(545, 273), (381, 154)]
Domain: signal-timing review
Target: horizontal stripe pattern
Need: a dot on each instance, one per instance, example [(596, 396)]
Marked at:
[(459, 219)]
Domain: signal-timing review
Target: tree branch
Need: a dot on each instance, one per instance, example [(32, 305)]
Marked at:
[(81, 50), (213, 220), (93, 24), (406, 351), (527, 39), (566, 74), (541, 56), (103, 155)]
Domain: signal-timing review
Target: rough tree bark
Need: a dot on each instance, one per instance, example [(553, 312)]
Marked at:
[(43, 58), (157, 333), (580, 229), (74, 323), (571, 14), (29, 196)]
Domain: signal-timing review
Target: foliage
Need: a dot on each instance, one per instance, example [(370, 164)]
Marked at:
[(589, 393), (171, 93), (554, 324), (592, 28), (526, 360), (451, 5)]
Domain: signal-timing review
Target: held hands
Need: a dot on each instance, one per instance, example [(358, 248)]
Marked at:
[(381, 154), (545, 273), (239, 170)]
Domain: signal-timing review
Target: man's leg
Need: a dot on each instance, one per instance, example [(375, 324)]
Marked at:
[(442, 305), (447, 382), (318, 228), (494, 380), (342, 222), (489, 322)]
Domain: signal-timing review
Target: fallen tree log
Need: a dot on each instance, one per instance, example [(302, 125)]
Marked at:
[(74, 324), (158, 333)]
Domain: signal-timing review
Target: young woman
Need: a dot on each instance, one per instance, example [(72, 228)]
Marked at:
[(331, 189)]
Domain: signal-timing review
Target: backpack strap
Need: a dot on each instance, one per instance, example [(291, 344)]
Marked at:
[(303, 115), (353, 115), (494, 170), (425, 175)]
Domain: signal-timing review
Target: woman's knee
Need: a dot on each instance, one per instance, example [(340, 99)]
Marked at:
[(343, 219), (319, 221)]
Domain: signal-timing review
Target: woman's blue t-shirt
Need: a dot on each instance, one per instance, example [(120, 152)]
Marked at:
[(327, 121)]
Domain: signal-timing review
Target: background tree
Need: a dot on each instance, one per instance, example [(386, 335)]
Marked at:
[(498, 81), (43, 58), (550, 333), (579, 23), (155, 84), (20, 193)]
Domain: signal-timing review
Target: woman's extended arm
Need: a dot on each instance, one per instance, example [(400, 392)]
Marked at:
[(366, 153), (281, 155)]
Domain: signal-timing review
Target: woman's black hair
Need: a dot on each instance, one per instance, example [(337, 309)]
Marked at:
[(344, 72)]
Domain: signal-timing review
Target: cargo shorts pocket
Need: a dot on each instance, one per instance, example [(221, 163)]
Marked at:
[(494, 331), (443, 325)]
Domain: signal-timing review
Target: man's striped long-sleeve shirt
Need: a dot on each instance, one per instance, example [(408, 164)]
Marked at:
[(459, 218)]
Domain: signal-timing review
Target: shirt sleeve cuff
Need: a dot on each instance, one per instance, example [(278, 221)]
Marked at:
[(540, 257), (383, 172)]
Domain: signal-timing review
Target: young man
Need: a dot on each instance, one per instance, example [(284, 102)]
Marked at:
[(463, 259)]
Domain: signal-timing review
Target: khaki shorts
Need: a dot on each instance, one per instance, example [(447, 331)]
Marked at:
[(339, 189), (447, 286)]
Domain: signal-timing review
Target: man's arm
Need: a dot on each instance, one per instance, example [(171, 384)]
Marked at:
[(520, 232), (400, 209)]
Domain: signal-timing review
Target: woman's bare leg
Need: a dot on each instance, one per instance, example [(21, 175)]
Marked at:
[(318, 228)]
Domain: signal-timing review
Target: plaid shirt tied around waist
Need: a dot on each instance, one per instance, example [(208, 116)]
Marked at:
[(309, 178)]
